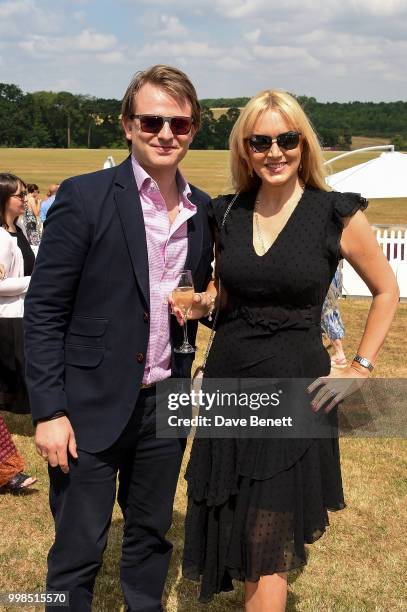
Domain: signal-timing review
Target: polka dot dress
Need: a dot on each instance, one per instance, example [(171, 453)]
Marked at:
[(254, 503)]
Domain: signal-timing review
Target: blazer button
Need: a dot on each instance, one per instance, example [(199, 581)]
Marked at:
[(146, 317), (140, 357)]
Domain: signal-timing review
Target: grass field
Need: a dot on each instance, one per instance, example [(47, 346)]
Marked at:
[(359, 564)]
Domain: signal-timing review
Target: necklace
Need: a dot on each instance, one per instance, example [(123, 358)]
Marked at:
[(258, 229), (257, 222)]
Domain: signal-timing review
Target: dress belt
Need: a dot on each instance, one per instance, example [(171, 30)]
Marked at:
[(273, 317)]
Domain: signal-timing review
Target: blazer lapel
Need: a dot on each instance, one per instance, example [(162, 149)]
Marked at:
[(195, 237), (128, 205)]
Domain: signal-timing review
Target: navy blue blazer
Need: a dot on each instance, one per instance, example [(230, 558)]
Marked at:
[(87, 309)]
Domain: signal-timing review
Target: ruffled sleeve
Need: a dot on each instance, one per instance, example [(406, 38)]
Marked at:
[(343, 205)]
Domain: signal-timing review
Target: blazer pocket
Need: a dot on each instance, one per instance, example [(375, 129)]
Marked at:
[(85, 331), (87, 326), (84, 356)]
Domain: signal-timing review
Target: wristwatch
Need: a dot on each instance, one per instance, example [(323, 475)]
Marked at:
[(365, 363)]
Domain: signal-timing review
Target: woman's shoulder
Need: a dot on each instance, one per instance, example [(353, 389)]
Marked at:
[(5, 235), (340, 204), (220, 204), (222, 200)]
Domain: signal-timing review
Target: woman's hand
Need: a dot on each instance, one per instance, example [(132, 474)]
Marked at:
[(335, 387), (201, 306)]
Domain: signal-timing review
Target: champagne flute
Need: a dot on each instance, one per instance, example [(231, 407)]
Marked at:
[(183, 296)]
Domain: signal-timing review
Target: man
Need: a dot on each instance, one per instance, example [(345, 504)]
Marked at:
[(99, 336), (45, 204)]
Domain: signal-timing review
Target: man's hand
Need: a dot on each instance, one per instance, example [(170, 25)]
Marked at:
[(53, 440)]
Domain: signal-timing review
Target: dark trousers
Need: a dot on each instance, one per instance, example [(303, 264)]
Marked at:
[(82, 504)]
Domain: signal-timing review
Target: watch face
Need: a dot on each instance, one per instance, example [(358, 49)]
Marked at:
[(364, 362)]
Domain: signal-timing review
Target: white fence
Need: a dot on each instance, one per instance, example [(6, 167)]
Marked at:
[(393, 240)]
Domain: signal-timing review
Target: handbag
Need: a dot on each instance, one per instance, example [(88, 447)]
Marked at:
[(197, 378)]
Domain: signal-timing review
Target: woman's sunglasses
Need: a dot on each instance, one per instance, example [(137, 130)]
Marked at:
[(153, 124), (260, 143)]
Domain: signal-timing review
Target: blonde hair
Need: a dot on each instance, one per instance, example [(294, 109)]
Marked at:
[(312, 170)]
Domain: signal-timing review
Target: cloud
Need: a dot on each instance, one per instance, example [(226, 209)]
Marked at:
[(338, 49), (189, 48), (113, 57), (377, 7), (86, 41), (89, 40), (285, 55), (18, 16), (69, 84), (172, 27), (11, 9), (230, 63), (253, 36)]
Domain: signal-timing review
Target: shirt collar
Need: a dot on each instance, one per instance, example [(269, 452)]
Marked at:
[(144, 181)]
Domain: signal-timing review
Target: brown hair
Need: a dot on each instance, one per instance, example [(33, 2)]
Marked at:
[(31, 187), (312, 170), (173, 81), (9, 183)]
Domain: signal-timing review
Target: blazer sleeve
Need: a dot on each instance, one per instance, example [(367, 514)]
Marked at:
[(50, 298)]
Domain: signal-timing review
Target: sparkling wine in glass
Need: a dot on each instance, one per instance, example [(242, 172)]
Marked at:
[(183, 296)]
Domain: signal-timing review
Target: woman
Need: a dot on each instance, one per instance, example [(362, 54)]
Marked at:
[(34, 200), (331, 321), (253, 504), (32, 221), (12, 477), (16, 265)]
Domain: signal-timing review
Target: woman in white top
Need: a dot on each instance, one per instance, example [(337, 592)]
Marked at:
[(16, 265)]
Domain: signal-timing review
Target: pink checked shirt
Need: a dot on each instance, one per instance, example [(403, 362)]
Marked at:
[(167, 247)]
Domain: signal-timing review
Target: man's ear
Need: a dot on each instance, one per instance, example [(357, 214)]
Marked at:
[(127, 127)]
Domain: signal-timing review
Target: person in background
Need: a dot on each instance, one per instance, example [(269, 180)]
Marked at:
[(34, 200), (30, 215), (12, 476), (51, 193), (16, 265), (331, 321)]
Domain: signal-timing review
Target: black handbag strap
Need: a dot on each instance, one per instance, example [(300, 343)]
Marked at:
[(213, 330)]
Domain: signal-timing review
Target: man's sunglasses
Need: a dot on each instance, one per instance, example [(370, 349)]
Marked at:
[(260, 144), (22, 195), (153, 124)]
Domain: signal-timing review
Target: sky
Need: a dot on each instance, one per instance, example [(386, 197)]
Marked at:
[(334, 50)]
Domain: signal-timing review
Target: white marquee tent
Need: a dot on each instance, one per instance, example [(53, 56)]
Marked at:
[(382, 177)]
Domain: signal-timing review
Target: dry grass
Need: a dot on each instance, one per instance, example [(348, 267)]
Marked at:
[(358, 142), (357, 566)]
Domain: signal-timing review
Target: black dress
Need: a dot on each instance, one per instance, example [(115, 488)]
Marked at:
[(252, 504), (13, 390)]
